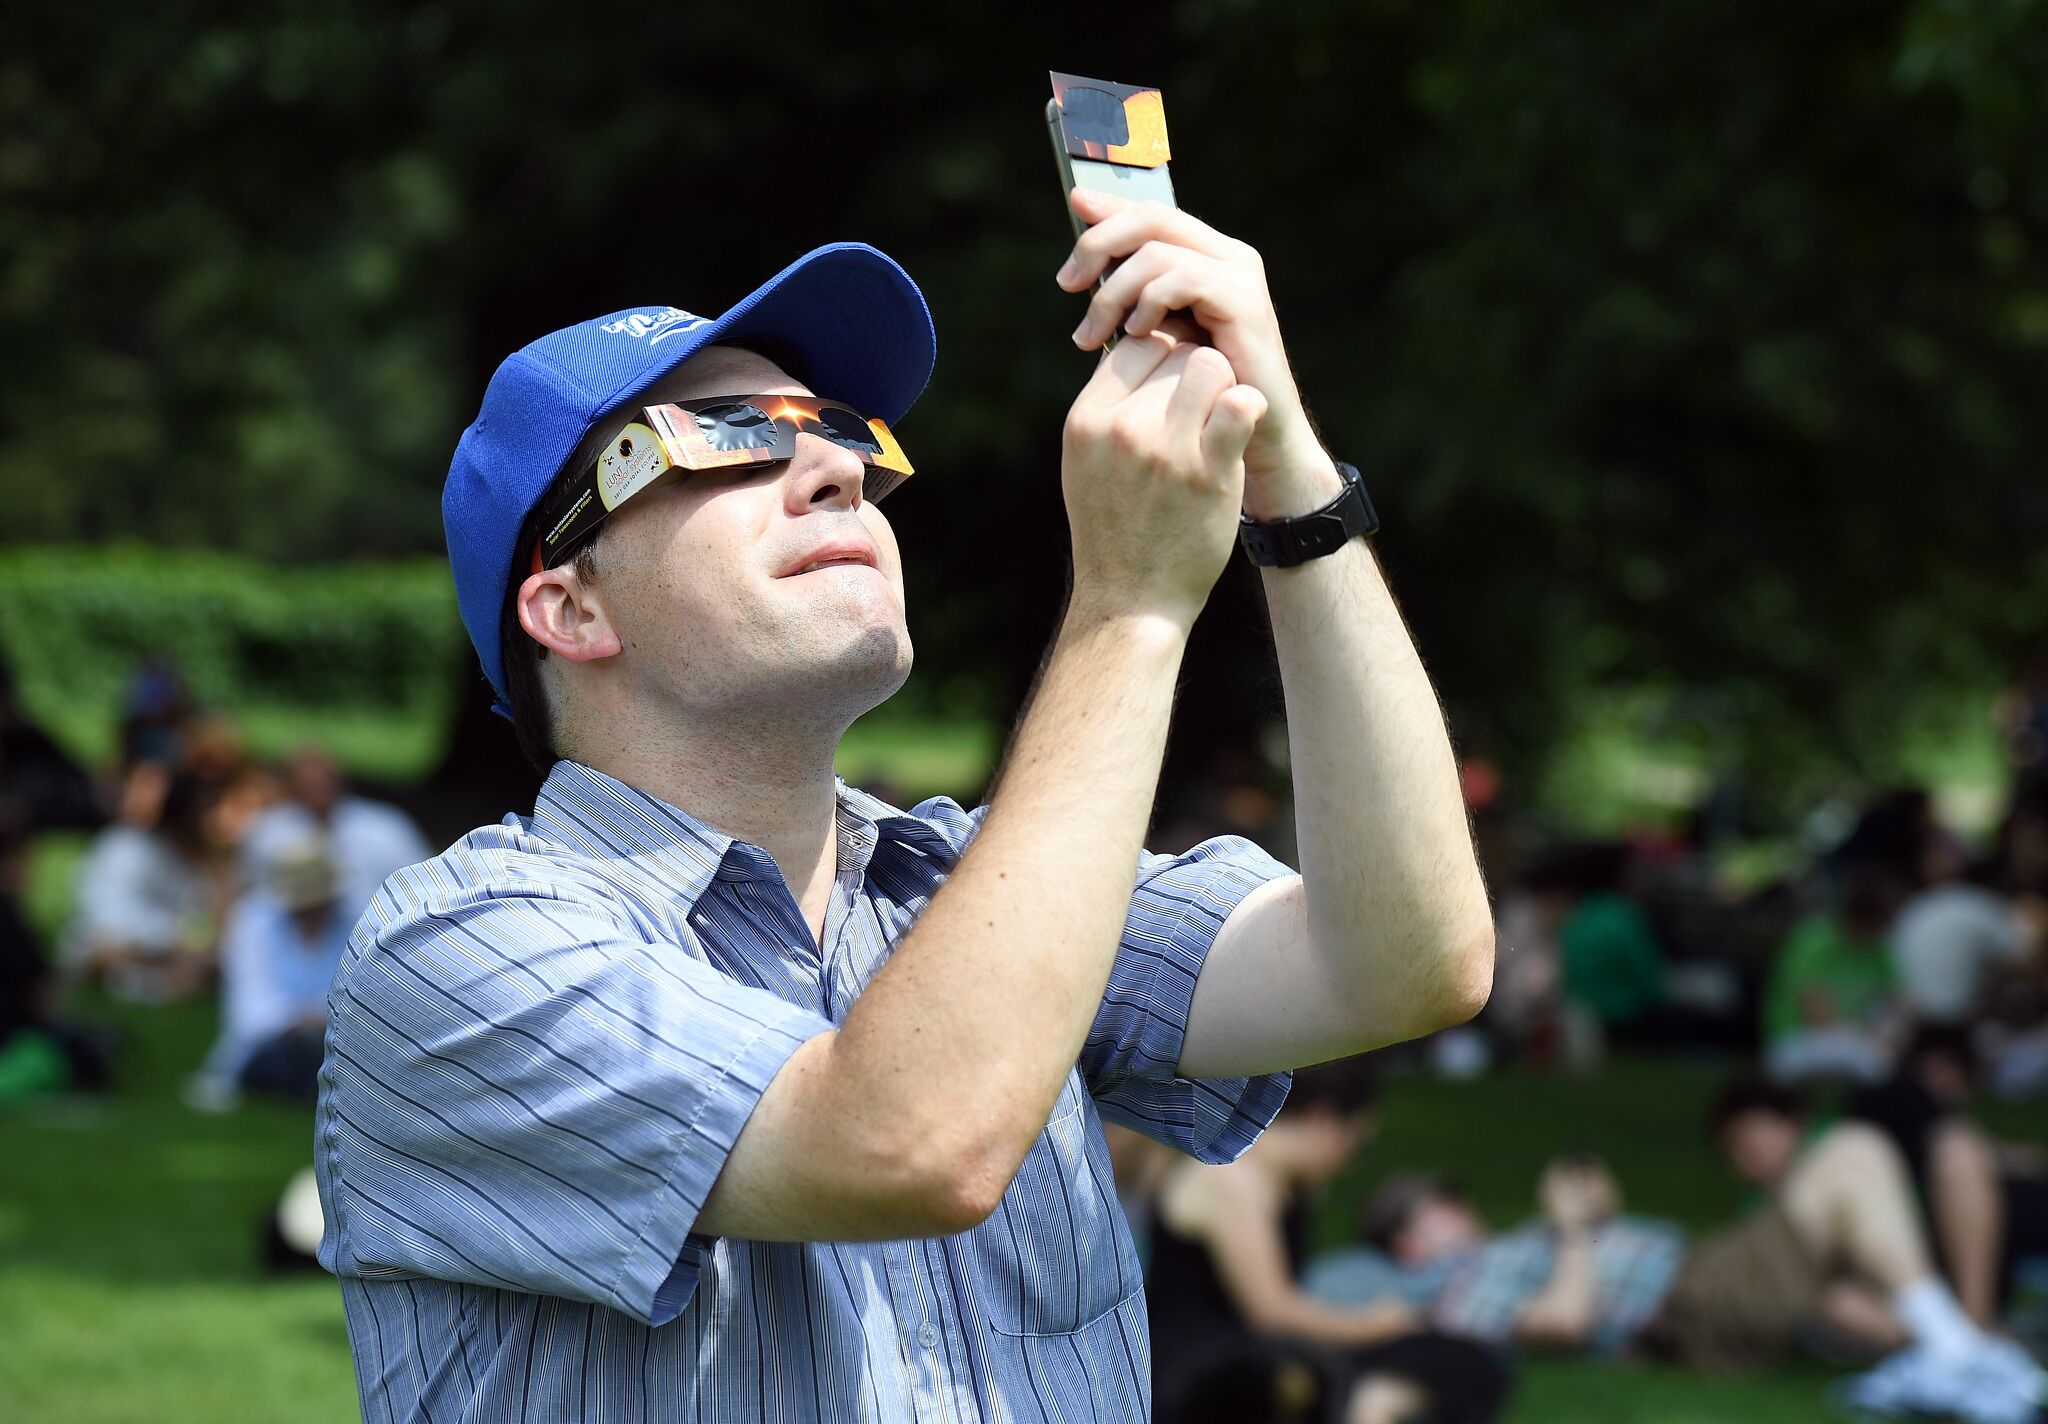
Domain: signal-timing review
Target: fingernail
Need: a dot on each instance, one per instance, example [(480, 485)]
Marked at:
[(1079, 332), (1067, 272)]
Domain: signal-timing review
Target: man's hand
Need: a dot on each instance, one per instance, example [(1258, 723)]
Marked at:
[(1171, 260), (1153, 468)]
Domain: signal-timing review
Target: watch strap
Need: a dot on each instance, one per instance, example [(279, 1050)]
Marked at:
[(1283, 543)]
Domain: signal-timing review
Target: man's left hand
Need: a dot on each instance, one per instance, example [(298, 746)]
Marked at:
[(1172, 260)]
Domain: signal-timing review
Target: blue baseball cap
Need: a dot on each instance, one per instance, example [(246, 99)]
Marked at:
[(846, 308)]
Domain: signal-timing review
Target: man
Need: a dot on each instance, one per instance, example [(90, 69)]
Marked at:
[(1837, 1246), (1830, 1011), (369, 838), (279, 949), (146, 896), (1984, 1202), (716, 1089), (1954, 939)]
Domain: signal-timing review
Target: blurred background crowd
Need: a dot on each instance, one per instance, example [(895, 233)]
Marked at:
[(1853, 1009), (1694, 356)]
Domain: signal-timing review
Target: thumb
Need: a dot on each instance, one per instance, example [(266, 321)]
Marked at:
[(1232, 420)]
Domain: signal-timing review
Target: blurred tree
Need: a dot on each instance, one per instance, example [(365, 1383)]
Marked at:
[(1686, 346)]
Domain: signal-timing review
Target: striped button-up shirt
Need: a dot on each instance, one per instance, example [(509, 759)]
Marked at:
[(543, 1043)]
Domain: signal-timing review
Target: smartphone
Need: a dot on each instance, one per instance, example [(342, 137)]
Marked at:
[(1110, 137)]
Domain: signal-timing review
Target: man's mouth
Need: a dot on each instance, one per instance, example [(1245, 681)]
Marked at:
[(832, 556)]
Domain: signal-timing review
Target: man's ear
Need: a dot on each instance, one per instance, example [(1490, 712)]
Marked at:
[(567, 616)]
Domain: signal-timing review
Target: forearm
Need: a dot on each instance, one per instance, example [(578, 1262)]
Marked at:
[(1396, 908), (1302, 1317), (966, 1036), (1562, 1312)]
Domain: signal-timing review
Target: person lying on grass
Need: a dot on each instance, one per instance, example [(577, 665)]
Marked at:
[(1836, 1247)]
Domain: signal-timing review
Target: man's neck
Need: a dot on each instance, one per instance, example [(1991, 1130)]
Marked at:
[(775, 791)]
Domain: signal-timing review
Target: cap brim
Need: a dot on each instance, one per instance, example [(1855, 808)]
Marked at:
[(856, 317)]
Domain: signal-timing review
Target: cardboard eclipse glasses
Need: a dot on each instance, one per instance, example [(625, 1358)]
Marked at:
[(714, 434)]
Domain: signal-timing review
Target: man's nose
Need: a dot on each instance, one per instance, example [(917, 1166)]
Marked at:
[(823, 475)]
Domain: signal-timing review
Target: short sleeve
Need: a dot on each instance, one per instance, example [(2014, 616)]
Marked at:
[(521, 1092), (1177, 908)]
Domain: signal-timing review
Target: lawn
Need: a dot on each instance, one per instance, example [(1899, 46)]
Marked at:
[(130, 1288)]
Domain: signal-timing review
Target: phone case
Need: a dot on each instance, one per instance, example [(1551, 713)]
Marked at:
[(1111, 137)]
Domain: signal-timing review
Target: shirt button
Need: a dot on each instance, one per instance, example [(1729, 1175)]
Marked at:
[(928, 1335)]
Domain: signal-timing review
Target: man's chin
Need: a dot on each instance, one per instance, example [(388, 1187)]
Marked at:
[(865, 671)]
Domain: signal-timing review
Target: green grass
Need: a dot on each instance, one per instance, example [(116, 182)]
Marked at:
[(130, 1288), (920, 757)]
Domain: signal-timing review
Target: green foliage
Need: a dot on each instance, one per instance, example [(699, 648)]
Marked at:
[(1694, 347), (1690, 348), (337, 638)]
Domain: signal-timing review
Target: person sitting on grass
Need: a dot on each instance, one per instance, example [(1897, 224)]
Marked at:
[(38, 1052), (370, 839), (1985, 1202), (1836, 1246), (1613, 965), (1227, 1242), (1831, 1006), (281, 945), (146, 895)]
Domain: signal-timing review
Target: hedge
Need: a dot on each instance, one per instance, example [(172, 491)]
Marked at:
[(79, 619)]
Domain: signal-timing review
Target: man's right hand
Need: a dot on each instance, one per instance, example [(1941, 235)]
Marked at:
[(912, 1118), (1153, 469)]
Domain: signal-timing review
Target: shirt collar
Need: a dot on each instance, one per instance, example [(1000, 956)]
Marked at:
[(599, 815)]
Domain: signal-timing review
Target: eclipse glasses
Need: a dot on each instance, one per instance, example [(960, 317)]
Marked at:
[(715, 434)]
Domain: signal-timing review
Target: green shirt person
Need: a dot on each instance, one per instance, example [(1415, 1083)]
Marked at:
[(1612, 963), (1828, 974), (1830, 1006)]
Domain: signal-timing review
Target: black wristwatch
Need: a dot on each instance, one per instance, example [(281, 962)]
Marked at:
[(1283, 543)]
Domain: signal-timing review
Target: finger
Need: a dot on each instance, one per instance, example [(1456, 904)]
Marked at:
[(1120, 290), (1205, 374), (1125, 368), (1175, 289), (1155, 392), (1122, 230), (1096, 206), (1116, 302), (1232, 420)]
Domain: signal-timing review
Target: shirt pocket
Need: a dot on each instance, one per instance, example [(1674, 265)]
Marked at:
[(1057, 1254)]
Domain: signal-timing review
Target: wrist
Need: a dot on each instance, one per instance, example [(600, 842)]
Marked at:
[(1137, 625), (1301, 482)]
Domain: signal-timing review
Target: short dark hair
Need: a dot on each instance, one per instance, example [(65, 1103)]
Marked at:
[(1393, 1204), (1344, 1085), (1745, 1095), (526, 694), (793, 362)]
